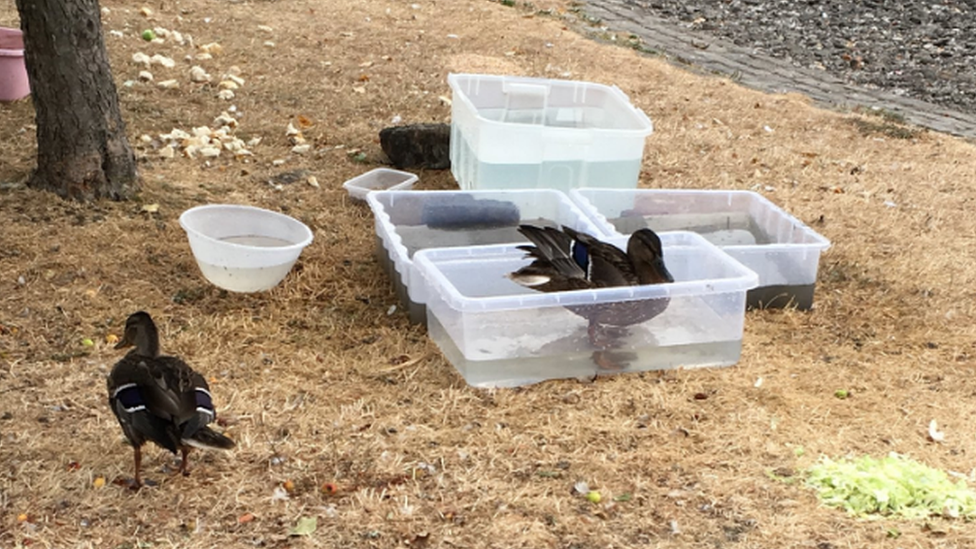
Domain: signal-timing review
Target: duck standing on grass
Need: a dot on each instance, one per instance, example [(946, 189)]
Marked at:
[(160, 398), (566, 260)]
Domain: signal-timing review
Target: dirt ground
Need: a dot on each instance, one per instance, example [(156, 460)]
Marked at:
[(349, 415)]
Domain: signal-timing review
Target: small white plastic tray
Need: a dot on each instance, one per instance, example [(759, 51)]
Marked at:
[(380, 179)]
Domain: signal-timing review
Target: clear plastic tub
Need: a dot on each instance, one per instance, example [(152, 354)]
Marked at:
[(499, 334), (14, 83), (243, 248), (408, 221), (380, 179), (512, 132), (782, 250)]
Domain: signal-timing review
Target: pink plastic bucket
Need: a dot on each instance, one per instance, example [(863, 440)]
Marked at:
[(13, 72)]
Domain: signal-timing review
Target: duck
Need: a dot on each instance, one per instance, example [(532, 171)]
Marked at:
[(160, 398), (565, 259)]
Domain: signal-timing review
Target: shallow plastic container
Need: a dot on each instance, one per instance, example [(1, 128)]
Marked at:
[(500, 334), (13, 70), (407, 221), (781, 249), (243, 248), (512, 132), (380, 179)]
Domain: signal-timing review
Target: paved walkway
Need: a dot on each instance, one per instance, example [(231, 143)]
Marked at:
[(767, 73)]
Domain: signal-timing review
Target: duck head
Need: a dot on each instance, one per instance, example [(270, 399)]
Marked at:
[(141, 333), (646, 253)]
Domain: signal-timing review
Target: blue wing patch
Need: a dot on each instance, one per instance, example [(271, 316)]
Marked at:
[(130, 397), (205, 402), (581, 255)]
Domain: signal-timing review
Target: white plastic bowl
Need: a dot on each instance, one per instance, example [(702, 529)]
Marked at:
[(243, 248), (380, 179)]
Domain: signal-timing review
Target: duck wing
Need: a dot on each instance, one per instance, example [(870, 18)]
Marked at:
[(607, 265), (196, 409), (160, 399), (142, 413)]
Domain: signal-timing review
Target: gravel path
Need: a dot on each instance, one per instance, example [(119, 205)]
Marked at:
[(913, 58), (925, 49)]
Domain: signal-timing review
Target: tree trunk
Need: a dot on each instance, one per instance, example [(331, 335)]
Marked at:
[(82, 151)]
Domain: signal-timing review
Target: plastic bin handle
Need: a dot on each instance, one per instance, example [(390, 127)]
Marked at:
[(521, 96), (516, 88)]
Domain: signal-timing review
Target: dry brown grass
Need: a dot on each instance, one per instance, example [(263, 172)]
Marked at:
[(321, 385)]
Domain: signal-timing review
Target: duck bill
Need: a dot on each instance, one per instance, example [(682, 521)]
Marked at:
[(662, 271), (123, 343)]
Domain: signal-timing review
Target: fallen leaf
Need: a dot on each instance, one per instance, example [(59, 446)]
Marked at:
[(245, 518), (305, 527)]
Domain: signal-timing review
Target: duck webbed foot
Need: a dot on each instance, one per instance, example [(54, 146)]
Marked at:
[(612, 361), (184, 462), (603, 336)]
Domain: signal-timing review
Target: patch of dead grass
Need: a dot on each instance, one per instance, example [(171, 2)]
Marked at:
[(320, 385)]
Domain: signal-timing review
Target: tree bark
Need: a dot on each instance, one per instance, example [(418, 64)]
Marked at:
[(82, 150)]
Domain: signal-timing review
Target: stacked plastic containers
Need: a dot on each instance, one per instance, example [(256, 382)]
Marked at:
[(564, 153)]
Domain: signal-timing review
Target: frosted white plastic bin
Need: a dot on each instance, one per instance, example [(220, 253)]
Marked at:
[(781, 249), (512, 132), (380, 179), (407, 221), (499, 334), (243, 248)]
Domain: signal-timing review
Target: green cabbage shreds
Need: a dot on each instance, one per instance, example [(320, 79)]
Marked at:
[(892, 486)]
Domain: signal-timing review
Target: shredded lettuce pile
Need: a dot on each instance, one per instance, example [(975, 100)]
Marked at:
[(891, 486)]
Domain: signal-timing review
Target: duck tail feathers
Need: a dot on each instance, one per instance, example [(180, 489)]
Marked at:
[(209, 439)]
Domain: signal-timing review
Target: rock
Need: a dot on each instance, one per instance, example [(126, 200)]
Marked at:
[(162, 60), (287, 178), (897, 46), (418, 145), (141, 58), (197, 74), (212, 48)]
